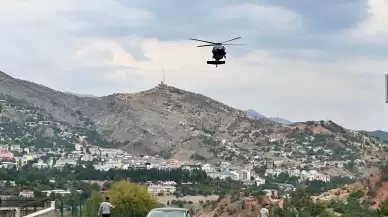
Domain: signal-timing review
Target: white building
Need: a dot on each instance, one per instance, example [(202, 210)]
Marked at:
[(60, 163), (87, 157), (16, 148), (78, 147), (206, 167), (227, 174), (273, 172), (244, 175), (161, 189), (212, 173), (4, 147), (5, 182), (26, 194), (58, 191), (259, 181), (40, 164)]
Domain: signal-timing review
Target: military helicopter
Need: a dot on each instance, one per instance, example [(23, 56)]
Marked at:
[(218, 50)]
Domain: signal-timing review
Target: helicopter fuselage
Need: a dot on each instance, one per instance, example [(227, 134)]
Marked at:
[(219, 52)]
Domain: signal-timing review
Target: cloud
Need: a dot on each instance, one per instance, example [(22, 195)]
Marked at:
[(105, 17), (325, 16), (300, 89), (260, 16), (302, 60), (375, 27)]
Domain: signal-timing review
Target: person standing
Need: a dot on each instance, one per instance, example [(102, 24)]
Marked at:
[(264, 212), (105, 208)]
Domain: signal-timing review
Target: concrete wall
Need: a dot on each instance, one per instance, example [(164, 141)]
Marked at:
[(48, 212), (9, 211)]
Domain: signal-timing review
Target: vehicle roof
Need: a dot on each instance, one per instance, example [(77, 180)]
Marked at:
[(169, 209)]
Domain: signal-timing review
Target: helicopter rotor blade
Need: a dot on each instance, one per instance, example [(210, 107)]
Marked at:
[(202, 41), (206, 45), (231, 40), (233, 44)]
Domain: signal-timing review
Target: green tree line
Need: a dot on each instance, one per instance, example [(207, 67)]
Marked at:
[(28, 174)]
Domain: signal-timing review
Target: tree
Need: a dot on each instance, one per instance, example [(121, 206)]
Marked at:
[(91, 206), (130, 198), (382, 210)]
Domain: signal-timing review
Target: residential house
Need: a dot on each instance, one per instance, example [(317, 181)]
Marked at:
[(161, 189), (87, 157), (26, 194), (6, 155), (4, 183), (40, 164), (244, 175), (212, 173), (60, 163), (4, 147), (16, 148), (259, 181), (228, 174)]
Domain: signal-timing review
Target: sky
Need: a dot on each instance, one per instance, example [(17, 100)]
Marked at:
[(303, 59)]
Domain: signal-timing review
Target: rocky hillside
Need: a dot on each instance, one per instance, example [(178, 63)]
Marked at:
[(162, 118), (373, 190), (170, 121), (232, 207)]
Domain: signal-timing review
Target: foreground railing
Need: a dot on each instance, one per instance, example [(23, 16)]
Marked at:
[(48, 212), (9, 211), (44, 208), (35, 206)]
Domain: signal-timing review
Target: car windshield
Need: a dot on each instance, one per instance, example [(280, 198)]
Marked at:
[(166, 213)]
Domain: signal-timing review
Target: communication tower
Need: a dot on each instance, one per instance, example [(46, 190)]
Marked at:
[(163, 82)]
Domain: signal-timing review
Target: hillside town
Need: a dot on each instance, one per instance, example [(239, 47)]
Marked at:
[(313, 151), (108, 158)]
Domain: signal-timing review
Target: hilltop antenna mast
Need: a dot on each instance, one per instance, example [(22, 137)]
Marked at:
[(163, 77), (163, 82)]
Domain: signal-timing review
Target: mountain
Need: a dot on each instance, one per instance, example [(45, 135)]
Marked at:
[(170, 122), (280, 120), (159, 120), (379, 134), (81, 95), (253, 113)]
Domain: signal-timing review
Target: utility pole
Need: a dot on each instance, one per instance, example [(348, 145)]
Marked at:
[(386, 88), (163, 82), (164, 78)]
